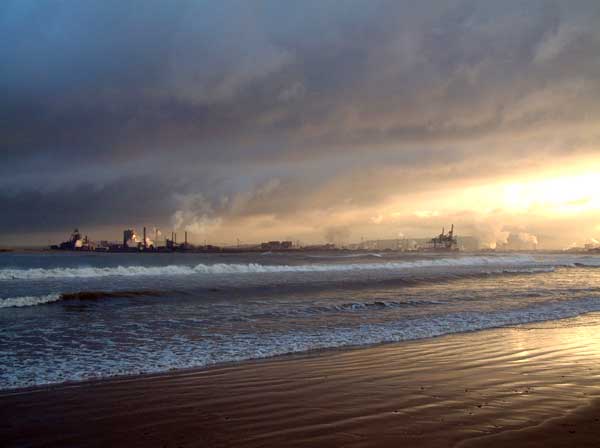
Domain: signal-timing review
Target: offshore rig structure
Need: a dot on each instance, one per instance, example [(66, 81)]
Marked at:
[(443, 242)]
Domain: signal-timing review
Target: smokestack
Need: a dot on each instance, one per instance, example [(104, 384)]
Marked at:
[(185, 238), (145, 241)]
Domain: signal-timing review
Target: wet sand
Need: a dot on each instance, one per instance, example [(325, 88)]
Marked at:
[(534, 385)]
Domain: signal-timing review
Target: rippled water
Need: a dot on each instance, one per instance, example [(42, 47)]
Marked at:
[(73, 316)]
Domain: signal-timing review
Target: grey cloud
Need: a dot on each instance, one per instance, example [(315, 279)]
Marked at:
[(218, 99), (129, 201)]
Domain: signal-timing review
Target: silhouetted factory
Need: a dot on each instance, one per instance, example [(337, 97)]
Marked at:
[(132, 242)]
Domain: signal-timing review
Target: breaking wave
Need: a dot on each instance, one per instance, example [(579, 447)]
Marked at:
[(19, 302), (236, 268)]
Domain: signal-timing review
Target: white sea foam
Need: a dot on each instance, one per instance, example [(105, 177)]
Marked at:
[(18, 302), (183, 353), (250, 268)]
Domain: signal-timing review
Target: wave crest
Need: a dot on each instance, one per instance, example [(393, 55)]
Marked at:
[(19, 302), (249, 268)]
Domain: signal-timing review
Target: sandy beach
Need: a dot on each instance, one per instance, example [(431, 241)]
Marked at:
[(274, 224), (534, 385)]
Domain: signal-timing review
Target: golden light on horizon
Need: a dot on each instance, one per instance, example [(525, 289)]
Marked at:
[(560, 195), (570, 191)]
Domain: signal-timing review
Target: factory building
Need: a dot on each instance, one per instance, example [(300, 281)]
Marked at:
[(277, 245), (75, 242), (130, 239)]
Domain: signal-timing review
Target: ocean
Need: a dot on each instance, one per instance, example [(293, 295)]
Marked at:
[(78, 316)]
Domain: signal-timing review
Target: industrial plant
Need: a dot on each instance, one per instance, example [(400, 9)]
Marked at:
[(443, 242), (149, 242), (132, 242), (154, 242)]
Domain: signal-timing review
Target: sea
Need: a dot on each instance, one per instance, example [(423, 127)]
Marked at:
[(68, 317)]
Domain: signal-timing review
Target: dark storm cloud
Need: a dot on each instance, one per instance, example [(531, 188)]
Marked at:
[(130, 201), (224, 98)]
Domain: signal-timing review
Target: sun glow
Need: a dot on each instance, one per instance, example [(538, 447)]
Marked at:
[(550, 194), (561, 195)]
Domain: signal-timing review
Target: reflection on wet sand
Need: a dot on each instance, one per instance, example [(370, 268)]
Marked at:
[(434, 392)]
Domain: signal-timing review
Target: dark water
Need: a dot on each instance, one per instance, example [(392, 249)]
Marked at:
[(69, 316)]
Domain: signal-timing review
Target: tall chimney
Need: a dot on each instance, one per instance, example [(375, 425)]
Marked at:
[(186, 238), (145, 241)]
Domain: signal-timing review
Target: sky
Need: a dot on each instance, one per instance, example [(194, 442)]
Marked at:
[(314, 121)]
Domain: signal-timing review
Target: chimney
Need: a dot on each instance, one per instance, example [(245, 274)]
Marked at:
[(186, 238), (145, 241)]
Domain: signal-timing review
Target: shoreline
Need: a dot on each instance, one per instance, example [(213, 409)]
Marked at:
[(298, 355), (469, 388)]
